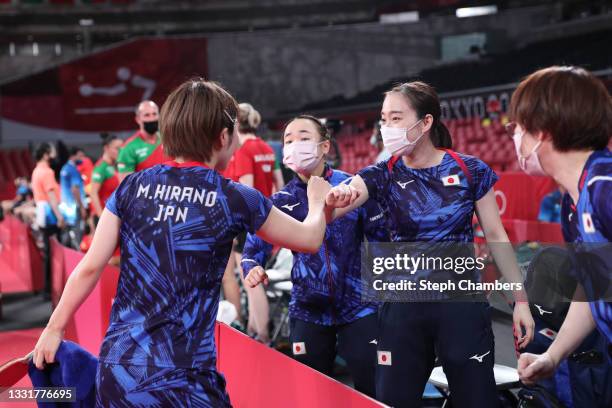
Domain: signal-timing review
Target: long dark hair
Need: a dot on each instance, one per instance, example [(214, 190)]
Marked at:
[(424, 100)]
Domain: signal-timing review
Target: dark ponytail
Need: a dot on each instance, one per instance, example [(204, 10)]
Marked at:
[(424, 100), (440, 136)]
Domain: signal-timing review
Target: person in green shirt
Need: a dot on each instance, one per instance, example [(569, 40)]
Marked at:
[(143, 149)]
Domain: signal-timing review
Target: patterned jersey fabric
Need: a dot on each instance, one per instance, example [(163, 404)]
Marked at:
[(587, 224), (434, 204), (326, 285), (177, 226)]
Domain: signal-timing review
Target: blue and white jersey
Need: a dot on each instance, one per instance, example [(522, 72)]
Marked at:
[(588, 223), (69, 178), (431, 205), (178, 222), (327, 286)]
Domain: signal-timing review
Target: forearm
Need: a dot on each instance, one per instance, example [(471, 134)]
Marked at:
[(497, 239), (79, 285), (504, 256), (54, 205), (77, 197), (313, 227), (577, 325)]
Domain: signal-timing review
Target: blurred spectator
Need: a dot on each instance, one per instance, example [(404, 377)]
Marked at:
[(60, 158), (85, 168), (24, 208), (143, 149), (550, 207), (73, 200), (254, 165), (376, 141), (23, 194), (104, 179), (46, 192)]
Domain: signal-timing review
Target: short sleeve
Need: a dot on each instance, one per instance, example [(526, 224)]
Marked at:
[(115, 203), (249, 207), (243, 163), (376, 178), (111, 204), (483, 177), (126, 163), (600, 193), (97, 176)]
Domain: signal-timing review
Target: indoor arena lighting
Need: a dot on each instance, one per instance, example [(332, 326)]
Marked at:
[(395, 18), (475, 11)]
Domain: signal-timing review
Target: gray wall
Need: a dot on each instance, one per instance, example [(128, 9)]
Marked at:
[(286, 69)]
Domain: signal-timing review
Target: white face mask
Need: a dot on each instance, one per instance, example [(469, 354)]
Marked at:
[(530, 164), (302, 156), (396, 139)]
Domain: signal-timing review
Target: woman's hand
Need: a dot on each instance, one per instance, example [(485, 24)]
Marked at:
[(256, 276), (341, 196), (534, 367), (523, 320), (46, 347)]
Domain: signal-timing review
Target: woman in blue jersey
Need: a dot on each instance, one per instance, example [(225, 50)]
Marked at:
[(175, 222), (562, 127), (431, 195), (327, 310)]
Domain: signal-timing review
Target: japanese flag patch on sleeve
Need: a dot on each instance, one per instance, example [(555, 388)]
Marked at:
[(452, 180)]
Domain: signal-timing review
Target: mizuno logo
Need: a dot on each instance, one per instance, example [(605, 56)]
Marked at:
[(404, 184), (542, 311), (290, 207), (479, 358), (374, 342)]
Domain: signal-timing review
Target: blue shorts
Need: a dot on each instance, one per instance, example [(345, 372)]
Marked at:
[(141, 386)]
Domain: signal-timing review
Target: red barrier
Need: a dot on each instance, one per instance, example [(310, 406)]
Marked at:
[(20, 260), (58, 272), (520, 231), (519, 195), (258, 376)]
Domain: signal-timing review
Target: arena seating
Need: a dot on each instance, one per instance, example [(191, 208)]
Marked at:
[(356, 150), (484, 139)]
